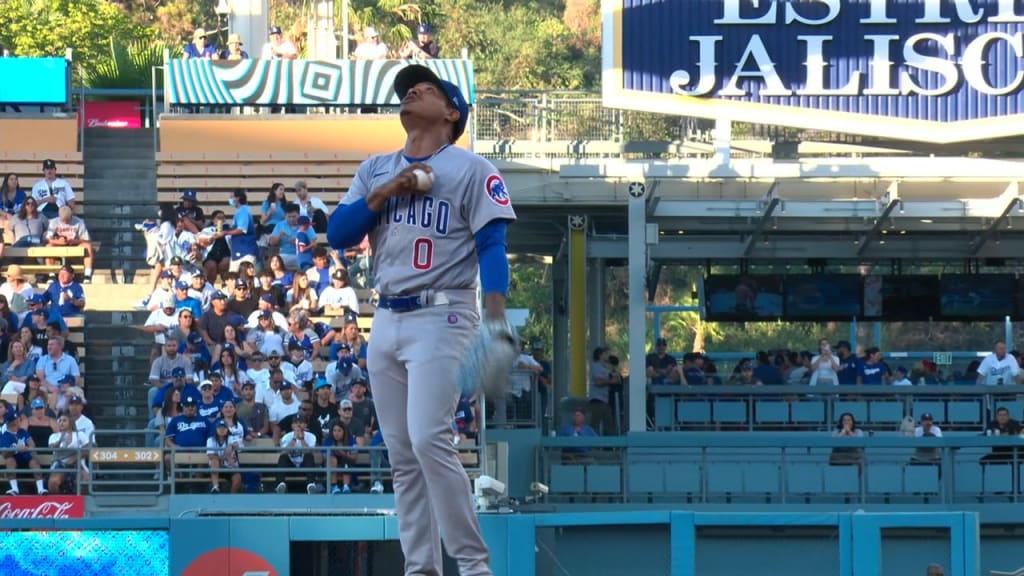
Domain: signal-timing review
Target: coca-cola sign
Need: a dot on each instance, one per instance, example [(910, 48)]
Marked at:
[(27, 507)]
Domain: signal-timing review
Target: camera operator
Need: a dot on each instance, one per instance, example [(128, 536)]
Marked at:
[(604, 378)]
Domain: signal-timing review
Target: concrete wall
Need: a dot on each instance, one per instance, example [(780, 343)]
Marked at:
[(38, 135)]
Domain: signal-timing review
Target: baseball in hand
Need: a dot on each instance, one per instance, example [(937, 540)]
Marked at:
[(424, 179)]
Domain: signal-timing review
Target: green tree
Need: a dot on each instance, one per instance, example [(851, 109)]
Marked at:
[(130, 64), (48, 27)]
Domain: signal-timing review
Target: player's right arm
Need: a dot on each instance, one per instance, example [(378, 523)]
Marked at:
[(357, 214)]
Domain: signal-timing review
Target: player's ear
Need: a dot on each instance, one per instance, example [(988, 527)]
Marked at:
[(452, 115)]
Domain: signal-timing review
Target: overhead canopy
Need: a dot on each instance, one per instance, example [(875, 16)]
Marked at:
[(762, 209)]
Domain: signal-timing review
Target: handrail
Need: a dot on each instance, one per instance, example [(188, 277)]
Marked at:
[(727, 390)]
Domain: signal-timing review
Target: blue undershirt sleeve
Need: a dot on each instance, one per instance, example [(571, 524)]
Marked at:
[(490, 252), (349, 224)]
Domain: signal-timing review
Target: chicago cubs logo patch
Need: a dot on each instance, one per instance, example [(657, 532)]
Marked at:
[(496, 190)]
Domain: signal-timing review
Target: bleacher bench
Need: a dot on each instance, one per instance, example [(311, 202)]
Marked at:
[(28, 258)]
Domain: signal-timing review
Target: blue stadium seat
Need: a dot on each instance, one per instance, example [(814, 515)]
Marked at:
[(682, 478), (771, 412), (645, 477), (885, 477), (761, 478), (693, 412), (922, 478), (604, 478), (725, 477), (566, 479), (808, 412), (937, 408), (858, 408), (964, 412), (842, 479), (804, 478), (664, 412), (967, 478), (998, 478), (885, 411), (730, 412)]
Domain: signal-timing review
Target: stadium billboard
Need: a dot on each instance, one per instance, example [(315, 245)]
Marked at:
[(927, 70)]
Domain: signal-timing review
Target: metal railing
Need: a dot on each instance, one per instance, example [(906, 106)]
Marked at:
[(875, 408), (783, 468), (522, 407)]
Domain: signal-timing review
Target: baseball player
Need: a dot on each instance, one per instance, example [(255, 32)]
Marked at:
[(431, 240)]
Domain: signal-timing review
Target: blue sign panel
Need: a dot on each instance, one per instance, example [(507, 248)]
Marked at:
[(934, 70), (39, 81), (85, 553), (299, 82)]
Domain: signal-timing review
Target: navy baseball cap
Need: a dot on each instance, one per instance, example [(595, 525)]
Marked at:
[(48, 164), (178, 372), (166, 274), (189, 401), (220, 423), (284, 385), (304, 221), (415, 73), (218, 295), (179, 285), (344, 346), (273, 30), (188, 194), (268, 297), (36, 299), (843, 344), (240, 283), (661, 342), (359, 381), (266, 314), (66, 379), (423, 28), (927, 416)]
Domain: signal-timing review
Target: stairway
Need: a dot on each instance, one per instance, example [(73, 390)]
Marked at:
[(120, 180)]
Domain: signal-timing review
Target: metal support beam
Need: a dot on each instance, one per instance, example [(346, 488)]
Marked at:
[(577, 306), (866, 239), (993, 227), (637, 242), (773, 203)]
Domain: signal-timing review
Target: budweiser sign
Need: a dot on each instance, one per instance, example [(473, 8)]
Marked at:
[(24, 507)]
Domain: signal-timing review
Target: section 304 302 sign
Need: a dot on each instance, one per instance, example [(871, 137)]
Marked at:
[(928, 70)]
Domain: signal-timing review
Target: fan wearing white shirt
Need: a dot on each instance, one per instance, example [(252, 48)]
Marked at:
[(265, 305), (998, 368), (52, 192), (339, 297)]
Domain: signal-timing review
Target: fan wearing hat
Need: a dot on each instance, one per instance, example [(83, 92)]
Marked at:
[(189, 212), (17, 289), (198, 48), (16, 446), (278, 47), (371, 48), (51, 191), (234, 50), (69, 230), (423, 47), (340, 297)]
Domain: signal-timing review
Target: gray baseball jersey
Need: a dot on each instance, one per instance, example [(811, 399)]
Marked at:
[(426, 240)]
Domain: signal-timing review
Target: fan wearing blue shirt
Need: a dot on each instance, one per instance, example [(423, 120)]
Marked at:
[(873, 372), (198, 48), (284, 234), (209, 405), (242, 235), (187, 430), (177, 383), (15, 446), (849, 364), (66, 295)]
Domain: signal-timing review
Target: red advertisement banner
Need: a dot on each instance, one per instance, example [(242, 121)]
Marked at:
[(119, 115), (23, 507)]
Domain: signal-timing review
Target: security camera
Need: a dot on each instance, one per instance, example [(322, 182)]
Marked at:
[(490, 487), (539, 489)]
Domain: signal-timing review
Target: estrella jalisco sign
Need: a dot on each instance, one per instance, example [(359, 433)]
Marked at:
[(929, 70)]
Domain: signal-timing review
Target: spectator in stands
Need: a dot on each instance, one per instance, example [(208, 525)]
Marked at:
[(360, 269), (297, 454), (234, 50), (216, 253), (14, 373), (744, 375), (272, 210), (999, 368), (40, 422), (278, 48), (178, 385), (371, 48), (256, 371), (350, 335), (265, 305), (305, 411), (11, 195), (184, 302), (167, 410), (284, 235), (693, 369), (188, 430), (824, 367), (873, 372), (320, 274), (223, 453), (305, 242), (465, 419), (242, 302), (161, 322), (900, 377), (55, 365), (17, 447), (266, 336), (198, 48), (339, 297), (253, 414), (927, 429), (209, 404), (423, 47), (302, 296), (242, 233), (849, 364), (189, 212), (602, 378), (66, 445), (339, 451), (27, 228), (201, 290), (161, 371), (662, 367), (51, 192), (227, 366), (281, 275), (311, 206), (212, 323), (222, 390), (69, 230), (765, 371), (17, 290), (286, 405), (83, 424), (1003, 425), (800, 368), (324, 409), (297, 368), (343, 372), (301, 333), (272, 394), (578, 427), (266, 287), (847, 428)]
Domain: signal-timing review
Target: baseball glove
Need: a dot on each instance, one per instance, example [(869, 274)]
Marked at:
[(488, 361)]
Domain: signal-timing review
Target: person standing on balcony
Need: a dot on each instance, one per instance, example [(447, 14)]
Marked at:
[(998, 368), (277, 47), (234, 50), (371, 48), (198, 48), (423, 47)]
